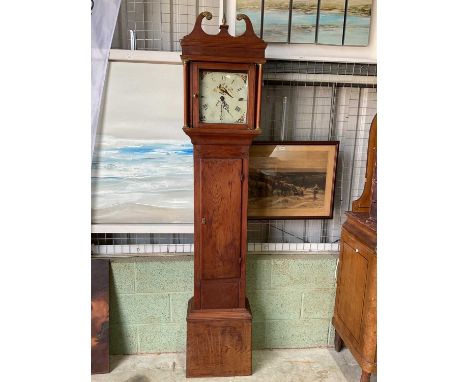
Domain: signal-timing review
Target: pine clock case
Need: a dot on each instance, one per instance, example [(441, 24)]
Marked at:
[(219, 318)]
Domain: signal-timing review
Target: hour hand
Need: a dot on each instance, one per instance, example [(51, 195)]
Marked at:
[(224, 91)]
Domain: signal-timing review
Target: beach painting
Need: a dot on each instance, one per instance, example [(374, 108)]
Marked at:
[(142, 170), (292, 180), (304, 21)]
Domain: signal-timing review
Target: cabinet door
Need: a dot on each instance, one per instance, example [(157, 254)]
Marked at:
[(352, 285), (220, 247)]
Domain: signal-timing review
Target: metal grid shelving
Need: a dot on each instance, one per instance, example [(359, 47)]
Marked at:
[(160, 24)]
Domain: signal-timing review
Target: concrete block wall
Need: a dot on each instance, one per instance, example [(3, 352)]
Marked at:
[(292, 299)]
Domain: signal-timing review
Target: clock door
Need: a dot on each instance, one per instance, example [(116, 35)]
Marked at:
[(221, 202)]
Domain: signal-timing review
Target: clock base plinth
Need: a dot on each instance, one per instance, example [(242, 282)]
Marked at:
[(219, 342)]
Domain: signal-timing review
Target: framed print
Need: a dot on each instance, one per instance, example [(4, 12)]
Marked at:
[(292, 180)]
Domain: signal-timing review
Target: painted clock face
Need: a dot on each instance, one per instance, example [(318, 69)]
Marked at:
[(223, 97)]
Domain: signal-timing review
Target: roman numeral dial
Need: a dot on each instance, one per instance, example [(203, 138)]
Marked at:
[(223, 97)]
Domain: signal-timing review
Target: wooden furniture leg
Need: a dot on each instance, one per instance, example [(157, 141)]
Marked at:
[(365, 376), (338, 342)]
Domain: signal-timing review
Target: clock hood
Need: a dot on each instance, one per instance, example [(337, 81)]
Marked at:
[(201, 46)]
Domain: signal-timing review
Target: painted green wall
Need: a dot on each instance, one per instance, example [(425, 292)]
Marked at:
[(291, 296)]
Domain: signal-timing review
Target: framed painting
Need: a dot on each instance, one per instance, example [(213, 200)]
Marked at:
[(292, 180), (142, 171)]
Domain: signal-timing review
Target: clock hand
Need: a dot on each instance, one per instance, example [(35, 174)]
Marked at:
[(224, 91), (229, 94), (224, 105)]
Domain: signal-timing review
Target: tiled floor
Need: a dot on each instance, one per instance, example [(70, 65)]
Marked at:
[(285, 365)]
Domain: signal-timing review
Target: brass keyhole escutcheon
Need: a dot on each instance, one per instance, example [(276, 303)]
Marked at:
[(203, 220)]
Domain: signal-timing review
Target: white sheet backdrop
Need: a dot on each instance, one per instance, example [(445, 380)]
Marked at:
[(103, 20)]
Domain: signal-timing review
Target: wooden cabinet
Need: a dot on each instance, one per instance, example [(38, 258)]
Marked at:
[(355, 315), (356, 295), (222, 82)]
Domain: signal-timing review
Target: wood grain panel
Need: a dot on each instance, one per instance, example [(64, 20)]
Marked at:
[(352, 284), (220, 294), (218, 344), (99, 316), (221, 198)]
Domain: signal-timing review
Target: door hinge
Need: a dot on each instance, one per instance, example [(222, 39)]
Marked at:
[(242, 177)]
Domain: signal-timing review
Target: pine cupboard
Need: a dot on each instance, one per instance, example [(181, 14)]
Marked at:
[(355, 314)]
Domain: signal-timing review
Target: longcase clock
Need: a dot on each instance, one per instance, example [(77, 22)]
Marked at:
[(222, 89)]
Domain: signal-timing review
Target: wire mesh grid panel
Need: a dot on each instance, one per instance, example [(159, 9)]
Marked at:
[(141, 243), (318, 101), (160, 24)]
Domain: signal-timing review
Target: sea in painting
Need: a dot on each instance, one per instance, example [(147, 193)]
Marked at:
[(304, 16), (142, 181)]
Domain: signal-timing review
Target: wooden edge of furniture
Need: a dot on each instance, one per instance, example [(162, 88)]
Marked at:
[(259, 96), (100, 271), (369, 367), (218, 314), (214, 136), (364, 227), (363, 204)]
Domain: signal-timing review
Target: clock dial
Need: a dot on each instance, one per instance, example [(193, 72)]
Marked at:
[(223, 97)]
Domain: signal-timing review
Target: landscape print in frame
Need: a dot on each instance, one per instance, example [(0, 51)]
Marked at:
[(142, 170), (292, 180), (312, 21)]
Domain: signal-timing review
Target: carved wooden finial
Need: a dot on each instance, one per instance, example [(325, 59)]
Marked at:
[(200, 18), (248, 24)]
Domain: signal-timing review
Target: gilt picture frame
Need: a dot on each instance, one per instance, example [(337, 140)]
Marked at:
[(292, 180)]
